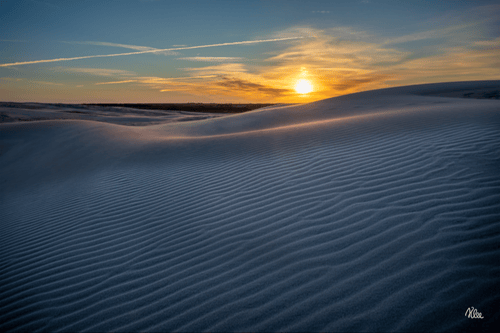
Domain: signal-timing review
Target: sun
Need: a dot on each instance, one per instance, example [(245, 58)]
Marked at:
[(303, 86)]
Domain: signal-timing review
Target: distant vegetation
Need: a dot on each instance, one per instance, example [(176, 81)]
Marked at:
[(193, 107)]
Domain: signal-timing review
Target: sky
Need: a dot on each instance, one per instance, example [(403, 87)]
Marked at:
[(259, 51)]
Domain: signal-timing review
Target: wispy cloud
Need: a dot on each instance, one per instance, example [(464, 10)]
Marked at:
[(30, 82), (436, 33), (234, 80), (218, 69), (494, 43), (95, 71), (455, 64), (212, 59), (127, 46), (455, 27), (334, 65), (341, 60), (39, 82), (336, 60), (11, 79), (320, 12), (252, 87), (294, 32), (225, 79), (47, 82), (116, 82), (356, 81), (148, 51)]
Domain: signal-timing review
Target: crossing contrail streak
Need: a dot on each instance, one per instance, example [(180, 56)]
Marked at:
[(147, 51)]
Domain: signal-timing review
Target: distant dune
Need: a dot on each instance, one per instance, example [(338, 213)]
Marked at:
[(121, 114), (376, 211), (114, 114)]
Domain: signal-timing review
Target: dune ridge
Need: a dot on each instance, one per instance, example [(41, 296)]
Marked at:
[(376, 211)]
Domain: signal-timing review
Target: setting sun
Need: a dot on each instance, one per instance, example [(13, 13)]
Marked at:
[(303, 86)]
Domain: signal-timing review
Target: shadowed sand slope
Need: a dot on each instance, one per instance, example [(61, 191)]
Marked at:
[(378, 211)]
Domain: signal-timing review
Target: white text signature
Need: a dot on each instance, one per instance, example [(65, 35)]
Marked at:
[(472, 313)]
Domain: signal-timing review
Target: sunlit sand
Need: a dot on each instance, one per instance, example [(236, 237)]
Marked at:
[(376, 211)]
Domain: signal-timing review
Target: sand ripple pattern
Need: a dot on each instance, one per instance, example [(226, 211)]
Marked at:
[(384, 223)]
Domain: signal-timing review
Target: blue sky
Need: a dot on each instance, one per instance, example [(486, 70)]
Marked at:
[(337, 46)]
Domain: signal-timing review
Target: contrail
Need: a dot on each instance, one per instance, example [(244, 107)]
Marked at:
[(148, 51)]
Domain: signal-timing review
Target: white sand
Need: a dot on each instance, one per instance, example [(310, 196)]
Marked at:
[(377, 211), (15, 112)]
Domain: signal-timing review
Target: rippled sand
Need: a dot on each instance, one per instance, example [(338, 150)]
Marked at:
[(377, 211)]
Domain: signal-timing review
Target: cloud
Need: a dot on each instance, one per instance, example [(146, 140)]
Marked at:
[(294, 32), (219, 69), (455, 64), (133, 47), (437, 33), (158, 82), (31, 82), (320, 12), (356, 81), (225, 79), (336, 60), (337, 64), (10, 79), (334, 67), (251, 87), (95, 71), (45, 82), (494, 43), (348, 33), (211, 59), (126, 46), (328, 51), (116, 82), (149, 51), (455, 27)]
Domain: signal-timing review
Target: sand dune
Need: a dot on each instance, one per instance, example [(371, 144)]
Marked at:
[(16, 112), (377, 211)]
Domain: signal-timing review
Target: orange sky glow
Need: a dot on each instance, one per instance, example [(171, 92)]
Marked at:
[(265, 66)]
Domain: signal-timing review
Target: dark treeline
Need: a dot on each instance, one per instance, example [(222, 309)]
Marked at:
[(194, 107)]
